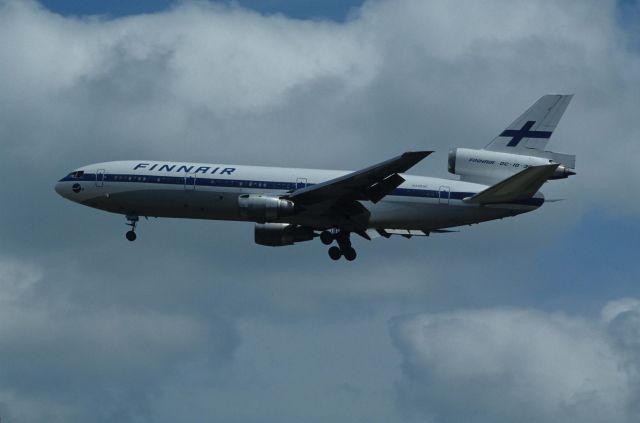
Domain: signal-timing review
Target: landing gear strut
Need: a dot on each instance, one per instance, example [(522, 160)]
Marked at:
[(132, 221), (343, 248)]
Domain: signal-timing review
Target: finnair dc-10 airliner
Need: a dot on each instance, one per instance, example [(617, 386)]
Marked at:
[(290, 205)]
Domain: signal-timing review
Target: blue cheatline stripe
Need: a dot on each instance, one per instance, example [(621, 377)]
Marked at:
[(284, 186)]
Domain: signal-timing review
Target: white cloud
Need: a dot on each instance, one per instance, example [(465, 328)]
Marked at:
[(16, 278), (500, 365), (223, 82), (615, 309), (197, 74)]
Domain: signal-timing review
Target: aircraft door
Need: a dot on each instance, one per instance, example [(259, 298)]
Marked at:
[(301, 183), (190, 181), (445, 193), (100, 178)]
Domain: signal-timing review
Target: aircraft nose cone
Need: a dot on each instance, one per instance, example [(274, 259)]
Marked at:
[(60, 189)]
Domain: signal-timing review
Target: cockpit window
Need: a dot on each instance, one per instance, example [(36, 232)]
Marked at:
[(77, 174)]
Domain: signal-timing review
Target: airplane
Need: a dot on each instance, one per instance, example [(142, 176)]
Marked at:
[(292, 205)]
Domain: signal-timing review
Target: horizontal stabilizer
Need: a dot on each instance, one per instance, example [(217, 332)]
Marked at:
[(567, 160), (520, 186)]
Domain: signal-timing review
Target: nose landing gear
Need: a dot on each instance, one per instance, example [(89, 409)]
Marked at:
[(343, 248), (132, 221)]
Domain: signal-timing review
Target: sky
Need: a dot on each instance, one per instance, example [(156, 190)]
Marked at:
[(534, 318), (335, 10)]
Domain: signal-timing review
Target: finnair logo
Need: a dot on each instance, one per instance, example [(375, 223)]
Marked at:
[(524, 132), (185, 169)]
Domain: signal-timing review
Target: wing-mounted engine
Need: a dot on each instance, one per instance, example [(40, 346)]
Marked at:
[(486, 166), (264, 208), (280, 234)]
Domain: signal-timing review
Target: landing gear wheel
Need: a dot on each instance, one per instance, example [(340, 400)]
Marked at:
[(132, 220), (350, 254), (335, 253), (326, 237)]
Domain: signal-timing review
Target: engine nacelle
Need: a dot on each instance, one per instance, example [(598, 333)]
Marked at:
[(493, 165), (263, 208), (280, 234)]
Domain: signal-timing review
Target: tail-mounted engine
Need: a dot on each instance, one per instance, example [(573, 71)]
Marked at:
[(280, 234), (485, 165), (264, 208)]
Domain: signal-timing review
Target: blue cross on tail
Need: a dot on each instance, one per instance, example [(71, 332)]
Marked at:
[(524, 132)]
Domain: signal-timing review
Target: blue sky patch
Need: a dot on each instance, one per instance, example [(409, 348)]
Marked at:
[(337, 10)]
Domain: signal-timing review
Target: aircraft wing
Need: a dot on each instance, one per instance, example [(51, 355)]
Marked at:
[(520, 186), (372, 183)]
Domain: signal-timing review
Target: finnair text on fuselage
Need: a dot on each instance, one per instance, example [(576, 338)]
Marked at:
[(184, 168)]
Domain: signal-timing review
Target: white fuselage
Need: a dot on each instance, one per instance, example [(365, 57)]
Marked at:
[(210, 191)]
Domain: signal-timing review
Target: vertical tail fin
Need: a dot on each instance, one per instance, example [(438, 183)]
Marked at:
[(533, 129)]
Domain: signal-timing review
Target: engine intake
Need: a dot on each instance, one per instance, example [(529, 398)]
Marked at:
[(263, 208), (280, 234)]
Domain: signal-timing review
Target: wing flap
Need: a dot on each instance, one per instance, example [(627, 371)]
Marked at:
[(379, 190), (520, 186), (407, 233)]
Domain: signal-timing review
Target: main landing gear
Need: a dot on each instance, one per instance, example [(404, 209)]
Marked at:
[(343, 248), (132, 221)]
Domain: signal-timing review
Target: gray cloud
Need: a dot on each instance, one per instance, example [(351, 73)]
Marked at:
[(57, 356), (503, 365)]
